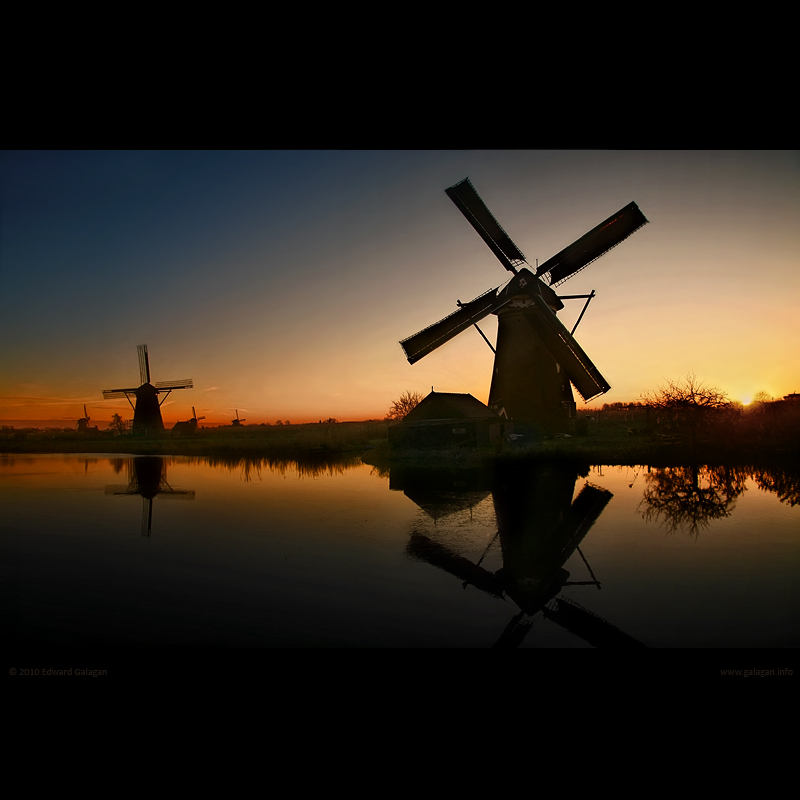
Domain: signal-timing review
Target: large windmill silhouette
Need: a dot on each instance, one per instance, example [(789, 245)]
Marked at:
[(536, 357), (147, 409)]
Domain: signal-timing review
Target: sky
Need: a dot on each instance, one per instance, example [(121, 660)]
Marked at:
[(281, 282)]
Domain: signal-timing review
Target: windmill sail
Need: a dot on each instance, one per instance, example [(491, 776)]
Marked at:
[(423, 548), (566, 351), (468, 201), (592, 245), (108, 394), (589, 626), (585, 510), (144, 364), (186, 383), (427, 340)]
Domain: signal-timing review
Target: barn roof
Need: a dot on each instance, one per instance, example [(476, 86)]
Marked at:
[(448, 406)]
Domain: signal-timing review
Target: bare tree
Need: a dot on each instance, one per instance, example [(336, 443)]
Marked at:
[(686, 402), (400, 408)]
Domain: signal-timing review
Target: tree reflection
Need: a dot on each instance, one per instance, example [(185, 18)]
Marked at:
[(782, 481), (689, 498)]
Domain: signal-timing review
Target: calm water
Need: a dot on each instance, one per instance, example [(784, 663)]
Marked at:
[(184, 551)]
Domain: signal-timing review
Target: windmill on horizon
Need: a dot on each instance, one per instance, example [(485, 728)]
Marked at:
[(186, 428), (82, 426), (147, 409)]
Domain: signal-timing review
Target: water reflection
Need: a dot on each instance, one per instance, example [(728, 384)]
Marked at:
[(147, 476), (539, 527), (317, 552), (689, 498), (782, 481), (306, 466)]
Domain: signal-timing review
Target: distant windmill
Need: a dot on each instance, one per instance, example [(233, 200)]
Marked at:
[(83, 424), (147, 410), (536, 357), (186, 428), (237, 422)]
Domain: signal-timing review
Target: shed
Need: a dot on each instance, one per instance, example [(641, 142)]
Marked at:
[(445, 419)]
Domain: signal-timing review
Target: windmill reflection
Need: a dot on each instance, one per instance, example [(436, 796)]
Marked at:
[(689, 498), (539, 527), (147, 476)]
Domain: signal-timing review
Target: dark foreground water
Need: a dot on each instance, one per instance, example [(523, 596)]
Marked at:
[(142, 552)]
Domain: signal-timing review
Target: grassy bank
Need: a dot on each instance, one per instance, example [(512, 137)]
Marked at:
[(245, 441), (608, 442), (620, 443)]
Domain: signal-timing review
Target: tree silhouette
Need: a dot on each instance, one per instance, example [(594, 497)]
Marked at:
[(400, 408), (687, 402)]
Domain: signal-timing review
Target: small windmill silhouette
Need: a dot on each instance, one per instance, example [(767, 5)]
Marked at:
[(186, 428), (82, 425)]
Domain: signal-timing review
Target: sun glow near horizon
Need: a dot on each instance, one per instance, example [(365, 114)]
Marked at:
[(285, 281)]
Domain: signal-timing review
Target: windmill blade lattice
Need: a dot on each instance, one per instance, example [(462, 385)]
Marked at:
[(468, 201), (427, 340), (592, 245)]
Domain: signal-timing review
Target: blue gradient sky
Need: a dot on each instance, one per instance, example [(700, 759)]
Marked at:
[(281, 282)]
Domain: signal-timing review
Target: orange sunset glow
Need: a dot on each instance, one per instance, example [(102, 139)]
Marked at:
[(281, 282)]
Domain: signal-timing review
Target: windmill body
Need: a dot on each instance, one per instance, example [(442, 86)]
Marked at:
[(147, 409), (82, 425), (537, 360), (186, 428), (528, 382)]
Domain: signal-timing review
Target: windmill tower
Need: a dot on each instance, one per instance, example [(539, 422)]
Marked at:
[(147, 409), (82, 425), (536, 357), (237, 422)]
